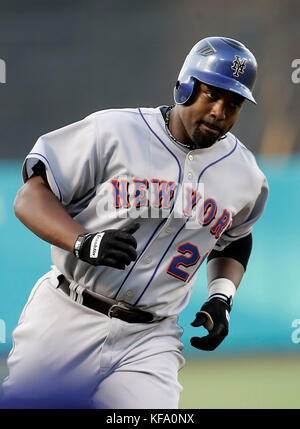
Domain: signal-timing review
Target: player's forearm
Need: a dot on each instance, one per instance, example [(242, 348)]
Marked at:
[(40, 211), (228, 268)]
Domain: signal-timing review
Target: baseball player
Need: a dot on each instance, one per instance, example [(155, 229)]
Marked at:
[(133, 201)]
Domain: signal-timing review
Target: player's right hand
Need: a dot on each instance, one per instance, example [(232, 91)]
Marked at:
[(113, 247)]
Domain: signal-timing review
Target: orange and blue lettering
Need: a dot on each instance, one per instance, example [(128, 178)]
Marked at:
[(220, 224), (207, 212), (140, 188), (163, 192), (191, 199), (120, 193)]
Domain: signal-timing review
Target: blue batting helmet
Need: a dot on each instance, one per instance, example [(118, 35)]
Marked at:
[(217, 61)]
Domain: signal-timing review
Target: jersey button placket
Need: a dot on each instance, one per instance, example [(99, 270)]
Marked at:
[(190, 159)]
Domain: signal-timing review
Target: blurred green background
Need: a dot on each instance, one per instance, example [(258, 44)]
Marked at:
[(65, 59)]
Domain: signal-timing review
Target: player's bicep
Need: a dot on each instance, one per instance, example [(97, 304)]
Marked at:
[(33, 190)]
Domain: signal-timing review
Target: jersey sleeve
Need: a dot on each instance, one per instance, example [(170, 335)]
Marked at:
[(242, 223), (71, 159)]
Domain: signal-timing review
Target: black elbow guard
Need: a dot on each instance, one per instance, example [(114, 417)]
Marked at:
[(239, 250)]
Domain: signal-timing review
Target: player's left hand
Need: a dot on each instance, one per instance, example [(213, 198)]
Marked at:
[(214, 316)]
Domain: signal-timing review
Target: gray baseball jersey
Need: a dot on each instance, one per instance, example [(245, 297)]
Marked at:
[(119, 165)]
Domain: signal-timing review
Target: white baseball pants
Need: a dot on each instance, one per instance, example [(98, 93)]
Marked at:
[(66, 355)]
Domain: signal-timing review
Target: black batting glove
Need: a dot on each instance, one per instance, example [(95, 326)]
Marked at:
[(114, 248), (214, 316)]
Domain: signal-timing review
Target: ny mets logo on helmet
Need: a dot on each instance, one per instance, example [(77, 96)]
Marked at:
[(239, 65)]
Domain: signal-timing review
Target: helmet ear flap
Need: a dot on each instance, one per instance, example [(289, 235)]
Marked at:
[(183, 91)]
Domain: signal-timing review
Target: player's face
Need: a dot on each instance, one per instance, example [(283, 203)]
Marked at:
[(212, 114)]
